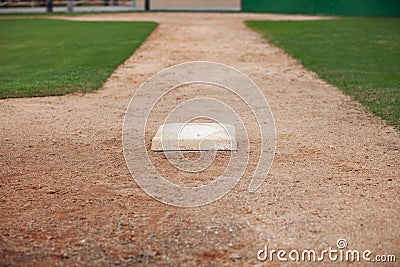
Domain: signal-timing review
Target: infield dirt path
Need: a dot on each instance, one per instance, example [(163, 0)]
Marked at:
[(67, 197)]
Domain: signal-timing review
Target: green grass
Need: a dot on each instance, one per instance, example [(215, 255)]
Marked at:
[(361, 56), (40, 57)]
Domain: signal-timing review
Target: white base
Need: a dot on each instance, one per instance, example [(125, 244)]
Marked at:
[(194, 137)]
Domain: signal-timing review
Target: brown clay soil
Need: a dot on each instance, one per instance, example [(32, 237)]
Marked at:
[(67, 197)]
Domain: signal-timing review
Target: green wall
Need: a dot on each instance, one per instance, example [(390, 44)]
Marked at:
[(376, 8)]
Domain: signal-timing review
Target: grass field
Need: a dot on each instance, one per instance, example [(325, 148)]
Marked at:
[(361, 56), (52, 57)]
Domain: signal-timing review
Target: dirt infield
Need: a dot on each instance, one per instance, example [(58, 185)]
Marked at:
[(67, 197)]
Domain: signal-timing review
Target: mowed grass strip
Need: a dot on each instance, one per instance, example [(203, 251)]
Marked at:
[(361, 56), (40, 57)]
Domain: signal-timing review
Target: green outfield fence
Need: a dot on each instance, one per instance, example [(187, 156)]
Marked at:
[(374, 8)]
